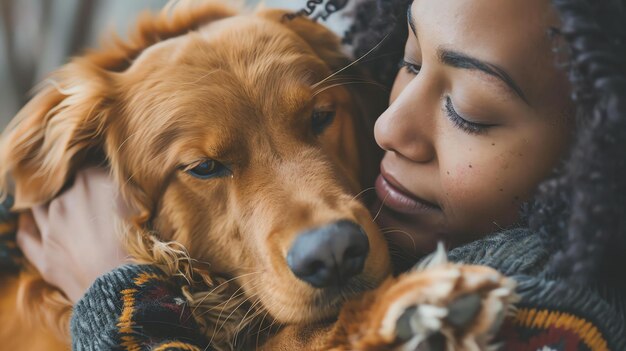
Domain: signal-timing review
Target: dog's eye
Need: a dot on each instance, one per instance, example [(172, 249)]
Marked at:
[(208, 169), (321, 120)]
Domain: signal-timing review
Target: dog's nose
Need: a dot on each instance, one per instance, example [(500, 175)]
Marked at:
[(329, 255)]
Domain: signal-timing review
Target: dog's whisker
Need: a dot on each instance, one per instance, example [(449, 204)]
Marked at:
[(395, 230), (217, 329), (232, 279), (220, 285), (235, 295), (353, 78), (346, 81), (230, 315), (362, 192), (380, 56), (269, 327), (353, 62), (253, 318), (388, 229), (321, 90), (258, 333), (382, 204), (347, 77), (243, 320), (405, 256)]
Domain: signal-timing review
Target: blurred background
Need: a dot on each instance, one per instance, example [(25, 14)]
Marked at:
[(36, 36)]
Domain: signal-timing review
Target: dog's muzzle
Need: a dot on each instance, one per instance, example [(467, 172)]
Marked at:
[(329, 255)]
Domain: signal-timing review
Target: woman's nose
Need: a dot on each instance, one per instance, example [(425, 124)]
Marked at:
[(406, 131)]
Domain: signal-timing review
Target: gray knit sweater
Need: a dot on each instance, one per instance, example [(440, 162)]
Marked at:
[(117, 313)]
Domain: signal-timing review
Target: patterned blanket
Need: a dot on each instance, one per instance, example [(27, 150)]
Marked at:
[(10, 255)]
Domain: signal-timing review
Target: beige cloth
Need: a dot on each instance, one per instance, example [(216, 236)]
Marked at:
[(37, 36)]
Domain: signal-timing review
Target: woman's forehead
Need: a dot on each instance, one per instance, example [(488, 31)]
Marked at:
[(510, 34), (508, 25)]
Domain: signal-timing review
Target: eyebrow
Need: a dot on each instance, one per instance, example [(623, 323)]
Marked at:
[(409, 17), (459, 60)]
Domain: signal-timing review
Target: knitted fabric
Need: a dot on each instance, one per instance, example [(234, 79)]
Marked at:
[(9, 253), (553, 314), (135, 307)]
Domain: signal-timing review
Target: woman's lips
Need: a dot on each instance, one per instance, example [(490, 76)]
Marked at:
[(399, 200)]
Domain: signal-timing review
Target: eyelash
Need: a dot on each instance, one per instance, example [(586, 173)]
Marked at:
[(411, 68), (462, 123), (459, 122)]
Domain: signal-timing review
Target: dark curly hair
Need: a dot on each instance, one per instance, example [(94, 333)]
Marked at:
[(581, 211)]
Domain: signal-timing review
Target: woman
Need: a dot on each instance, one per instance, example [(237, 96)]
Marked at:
[(491, 98)]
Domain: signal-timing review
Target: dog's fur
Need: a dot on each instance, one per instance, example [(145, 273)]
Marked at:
[(202, 81)]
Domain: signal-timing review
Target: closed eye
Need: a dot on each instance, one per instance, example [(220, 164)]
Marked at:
[(320, 120), (411, 68), (463, 123), (207, 169)]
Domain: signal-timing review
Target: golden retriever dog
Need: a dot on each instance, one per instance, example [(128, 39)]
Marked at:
[(242, 138)]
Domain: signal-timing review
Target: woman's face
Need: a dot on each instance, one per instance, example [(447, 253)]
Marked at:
[(479, 115)]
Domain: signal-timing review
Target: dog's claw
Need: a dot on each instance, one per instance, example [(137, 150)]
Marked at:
[(445, 307), (462, 311), (404, 330), (436, 342)]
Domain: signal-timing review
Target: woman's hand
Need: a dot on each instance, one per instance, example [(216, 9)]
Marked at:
[(74, 239)]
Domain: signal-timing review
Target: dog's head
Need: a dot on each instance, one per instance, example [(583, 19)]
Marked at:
[(227, 135)]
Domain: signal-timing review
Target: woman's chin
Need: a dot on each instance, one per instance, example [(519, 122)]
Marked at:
[(409, 240)]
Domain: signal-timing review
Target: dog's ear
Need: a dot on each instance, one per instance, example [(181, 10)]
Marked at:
[(370, 99), (66, 120), (322, 40), (52, 132)]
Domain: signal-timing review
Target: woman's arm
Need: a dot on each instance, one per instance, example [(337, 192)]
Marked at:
[(72, 243)]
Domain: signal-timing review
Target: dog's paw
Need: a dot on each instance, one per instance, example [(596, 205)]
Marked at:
[(445, 306)]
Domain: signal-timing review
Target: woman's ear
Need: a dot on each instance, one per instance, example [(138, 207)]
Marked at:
[(68, 118)]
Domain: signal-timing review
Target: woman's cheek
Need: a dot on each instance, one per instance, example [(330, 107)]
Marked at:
[(479, 195)]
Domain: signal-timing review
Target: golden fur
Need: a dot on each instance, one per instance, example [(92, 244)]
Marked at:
[(202, 81), (195, 82)]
